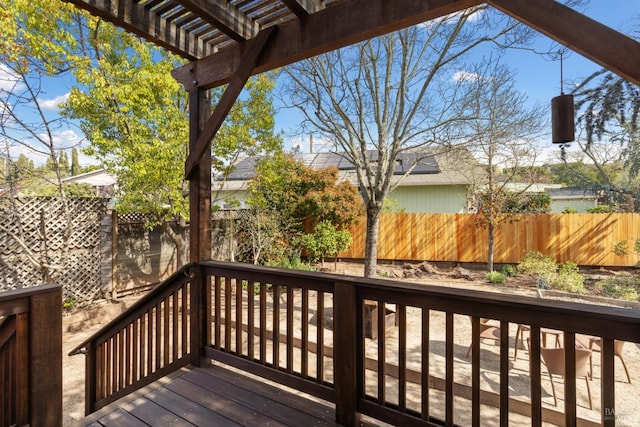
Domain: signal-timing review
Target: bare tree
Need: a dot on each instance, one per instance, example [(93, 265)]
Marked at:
[(26, 126), (502, 134), (391, 95)]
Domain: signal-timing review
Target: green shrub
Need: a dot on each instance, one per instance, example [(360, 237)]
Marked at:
[(537, 264), (568, 278), (509, 270), (625, 288), (602, 209), (569, 210), (565, 277), (293, 263), (495, 277)]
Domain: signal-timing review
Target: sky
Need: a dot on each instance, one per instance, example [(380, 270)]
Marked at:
[(538, 77)]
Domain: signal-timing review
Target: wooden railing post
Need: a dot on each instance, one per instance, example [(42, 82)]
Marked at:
[(91, 381), (344, 352), (45, 348), (197, 315)]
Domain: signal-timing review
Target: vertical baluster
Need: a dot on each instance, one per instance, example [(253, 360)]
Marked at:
[(289, 329), (208, 315), (570, 377), (150, 341), (158, 336), (534, 368), (449, 369), (320, 337), (143, 365), (380, 331), (128, 361), (475, 371), (134, 350), (425, 364), (119, 358), (175, 334), (217, 311), (504, 373), (607, 374), (110, 377), (238, 330), (227, 314), (250, 319), (166, 331), (402, 356), (184, 319), (101, 374), (304, 369), (263, 323), (276, 326)]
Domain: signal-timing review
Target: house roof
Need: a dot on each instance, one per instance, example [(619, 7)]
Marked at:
[(572, 193), (431, 169), (97, 178)]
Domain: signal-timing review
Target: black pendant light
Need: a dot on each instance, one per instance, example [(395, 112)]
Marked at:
[(562, 116)]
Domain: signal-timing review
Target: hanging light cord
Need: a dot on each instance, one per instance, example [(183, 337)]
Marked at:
[(561, 77)]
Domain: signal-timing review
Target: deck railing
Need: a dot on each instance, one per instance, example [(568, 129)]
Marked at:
[(150, 340), (399, 352), (31, 356)]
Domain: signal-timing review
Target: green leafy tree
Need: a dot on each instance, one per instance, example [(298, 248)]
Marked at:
[(75, 163), (293, 193), (134, 115), (326, 240)]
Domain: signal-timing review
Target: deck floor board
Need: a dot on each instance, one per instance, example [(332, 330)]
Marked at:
[(213, 396)]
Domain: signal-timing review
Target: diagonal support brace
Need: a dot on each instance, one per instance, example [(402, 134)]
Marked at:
[(249, 60)]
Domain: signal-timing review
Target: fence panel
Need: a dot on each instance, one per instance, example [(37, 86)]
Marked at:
[(586, 239)]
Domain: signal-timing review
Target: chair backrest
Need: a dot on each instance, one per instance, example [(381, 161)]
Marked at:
[(553, 358)]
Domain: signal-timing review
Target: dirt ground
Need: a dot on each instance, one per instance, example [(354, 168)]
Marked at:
[(626, 394)]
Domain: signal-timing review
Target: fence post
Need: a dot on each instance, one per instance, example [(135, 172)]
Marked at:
[(345, 355)]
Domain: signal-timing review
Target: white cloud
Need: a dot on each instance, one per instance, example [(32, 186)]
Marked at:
[(53, 104), (9, 81), (473, 14), (67, 138), (466, 76)]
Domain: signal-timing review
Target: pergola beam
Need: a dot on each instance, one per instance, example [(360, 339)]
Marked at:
[(254, 48), (145, 23), (302, 8), (596, 41), (334, 27), (224, 16)]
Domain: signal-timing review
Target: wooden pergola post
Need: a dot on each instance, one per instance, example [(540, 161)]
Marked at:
[(199, 218)]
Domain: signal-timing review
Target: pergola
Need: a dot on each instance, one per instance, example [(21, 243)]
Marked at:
[(227, 41)]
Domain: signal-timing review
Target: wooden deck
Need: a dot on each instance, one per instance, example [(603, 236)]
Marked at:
[(215, 395)]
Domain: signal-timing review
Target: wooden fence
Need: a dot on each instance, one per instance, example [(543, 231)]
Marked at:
[(586, 239)]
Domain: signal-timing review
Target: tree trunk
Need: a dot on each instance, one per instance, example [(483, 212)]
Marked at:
[(490, 229), (179, 241), (371, 241)]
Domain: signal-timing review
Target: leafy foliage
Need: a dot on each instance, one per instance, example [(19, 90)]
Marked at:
[(495, 277), (297, 192), (610, 110), (289, 196), (565, 277), (509, 270), (622, 287), (537, 264), (326, 240)]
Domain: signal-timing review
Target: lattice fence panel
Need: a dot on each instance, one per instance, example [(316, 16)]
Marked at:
[(34, 229)]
